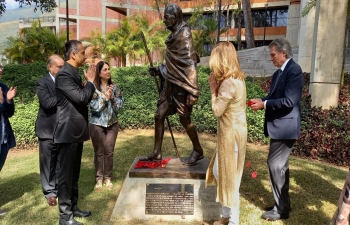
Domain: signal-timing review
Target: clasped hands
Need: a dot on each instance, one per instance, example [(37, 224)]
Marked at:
[(11, 93), (109, 92)]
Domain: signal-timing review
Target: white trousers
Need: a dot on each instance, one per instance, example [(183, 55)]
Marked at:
[(227, 212)]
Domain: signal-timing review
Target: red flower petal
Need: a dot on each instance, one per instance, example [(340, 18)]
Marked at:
[(248, 164), (250, 103), (254, 174)]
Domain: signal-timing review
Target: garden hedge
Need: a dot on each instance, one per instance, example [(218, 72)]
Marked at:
[(325, 134), (139, 91)]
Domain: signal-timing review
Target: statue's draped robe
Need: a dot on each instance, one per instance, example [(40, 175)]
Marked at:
[(180, 64)]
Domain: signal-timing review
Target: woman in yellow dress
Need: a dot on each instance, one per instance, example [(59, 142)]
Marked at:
[(228, 100)]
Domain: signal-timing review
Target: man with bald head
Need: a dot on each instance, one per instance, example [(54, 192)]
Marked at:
[(44, 127)]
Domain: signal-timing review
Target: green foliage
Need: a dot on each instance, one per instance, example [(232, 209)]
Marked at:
[(34, 44), (139, 91), (44, 5), (127, 40), (23, 122), (255, 120), (325, 133), (205, 30), (312, 3), (24, 77), (309, 5)]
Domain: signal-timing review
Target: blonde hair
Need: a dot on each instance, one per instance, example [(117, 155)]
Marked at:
[(224, 62)]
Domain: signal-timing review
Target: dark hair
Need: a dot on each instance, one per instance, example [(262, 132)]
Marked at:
[(176, 11), (282, 44), (70, 47), (97, 80)]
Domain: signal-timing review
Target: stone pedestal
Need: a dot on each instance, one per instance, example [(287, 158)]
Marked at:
[(327, 52), (131, 201)]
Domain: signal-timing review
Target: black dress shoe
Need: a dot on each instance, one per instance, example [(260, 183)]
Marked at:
[(80, 213), (151, 157), (272, 215), (193, 158), (69, 222)]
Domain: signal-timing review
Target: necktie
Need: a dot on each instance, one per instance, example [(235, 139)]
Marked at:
[(279, 72)]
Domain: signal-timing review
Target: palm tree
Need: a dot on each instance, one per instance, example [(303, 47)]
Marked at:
[(34, 44), (154, 34)]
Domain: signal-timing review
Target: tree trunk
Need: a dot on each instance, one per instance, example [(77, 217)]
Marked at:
[(239, 32), (227, 19), (159, 13), (248, 23)]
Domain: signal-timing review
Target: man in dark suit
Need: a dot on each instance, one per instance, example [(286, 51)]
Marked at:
[(44, 126), (7, 109), (71, 128), (282, 123)]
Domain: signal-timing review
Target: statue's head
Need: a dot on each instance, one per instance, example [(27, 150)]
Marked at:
[(172, 16)]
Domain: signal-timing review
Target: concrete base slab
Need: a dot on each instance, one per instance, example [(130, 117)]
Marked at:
[(131, 201)]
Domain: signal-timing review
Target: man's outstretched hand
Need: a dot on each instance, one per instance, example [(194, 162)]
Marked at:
[(90, 73)]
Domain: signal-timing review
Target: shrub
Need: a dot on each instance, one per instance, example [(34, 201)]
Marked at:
[(325, 134), (24, 77)]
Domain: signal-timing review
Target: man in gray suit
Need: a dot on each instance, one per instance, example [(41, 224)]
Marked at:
[(44, 127), (282, 123), (71, 129)]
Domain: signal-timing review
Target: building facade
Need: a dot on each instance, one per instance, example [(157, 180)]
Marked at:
[(270, 17)]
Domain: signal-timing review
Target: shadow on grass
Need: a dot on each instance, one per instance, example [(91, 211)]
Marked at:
[(13, 188), (311, 194), (314, 189)]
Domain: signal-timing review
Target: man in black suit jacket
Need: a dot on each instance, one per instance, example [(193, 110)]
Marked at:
[(282, 123), (44, 126), (71, 128)]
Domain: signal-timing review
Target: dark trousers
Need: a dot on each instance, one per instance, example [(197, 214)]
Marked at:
[(49, 167), (70, 160), (278, 165), (3, 154), (103, 139)]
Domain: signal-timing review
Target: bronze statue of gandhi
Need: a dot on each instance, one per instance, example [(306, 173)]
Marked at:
[(179, 84)]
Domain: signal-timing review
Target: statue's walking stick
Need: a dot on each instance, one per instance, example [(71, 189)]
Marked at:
[(159, 91)]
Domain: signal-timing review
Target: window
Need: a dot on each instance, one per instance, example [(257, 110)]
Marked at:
[(274, 18)]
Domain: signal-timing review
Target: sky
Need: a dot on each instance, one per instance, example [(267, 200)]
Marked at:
[(11, 4)]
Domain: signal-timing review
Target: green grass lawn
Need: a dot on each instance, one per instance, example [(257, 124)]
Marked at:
[(315, 187)]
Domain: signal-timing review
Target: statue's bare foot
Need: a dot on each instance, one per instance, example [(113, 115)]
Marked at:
[(151, 157), (193, 158)]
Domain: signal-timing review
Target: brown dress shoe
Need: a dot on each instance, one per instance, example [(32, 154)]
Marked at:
[(52, 201), (222, 221)]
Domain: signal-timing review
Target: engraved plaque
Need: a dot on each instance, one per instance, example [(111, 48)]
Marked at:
[(169, 199)]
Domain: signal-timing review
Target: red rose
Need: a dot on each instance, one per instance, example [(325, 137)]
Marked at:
[(250, 103)]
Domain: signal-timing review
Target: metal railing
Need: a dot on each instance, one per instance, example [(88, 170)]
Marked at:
[(42, 19)]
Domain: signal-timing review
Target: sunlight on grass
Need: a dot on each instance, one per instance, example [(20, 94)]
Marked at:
[(314, 186)]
